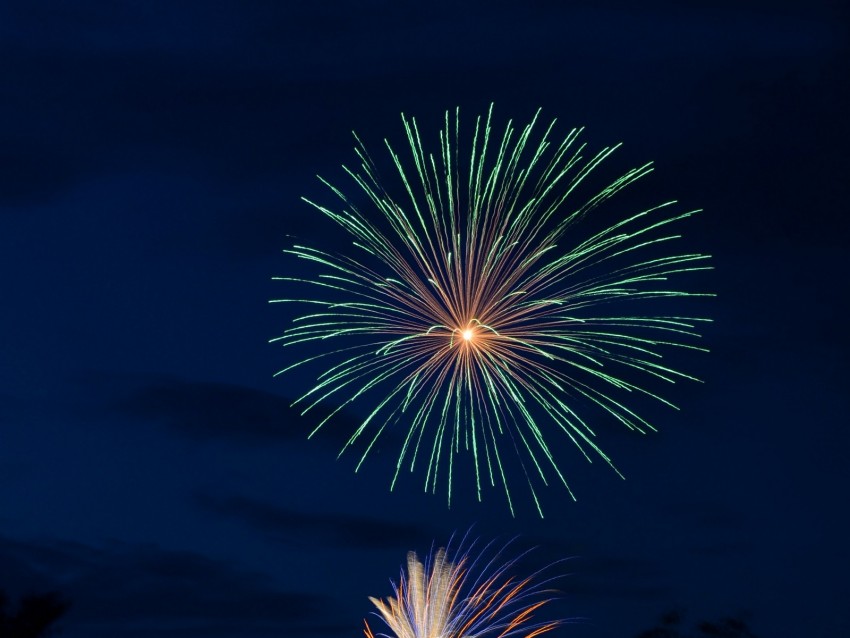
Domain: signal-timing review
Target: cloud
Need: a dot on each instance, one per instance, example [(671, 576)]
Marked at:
[(591, 571), (207, 411), (127, 590), (212, 410), (708, 515), (32, 171), (623, 577), (204, 410), (718, 529), (342, 530)]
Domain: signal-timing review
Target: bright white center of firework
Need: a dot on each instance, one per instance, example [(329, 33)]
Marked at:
[(467, 334)]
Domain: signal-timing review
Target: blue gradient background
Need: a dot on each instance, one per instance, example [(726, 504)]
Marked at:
[(152, 157)]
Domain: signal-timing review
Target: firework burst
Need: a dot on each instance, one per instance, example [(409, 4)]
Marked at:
[(445, 599), (474, 315)]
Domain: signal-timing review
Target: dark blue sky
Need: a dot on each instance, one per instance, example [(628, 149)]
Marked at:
[(152, 160)]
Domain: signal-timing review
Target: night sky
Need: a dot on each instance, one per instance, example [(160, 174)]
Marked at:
[(152, 160)]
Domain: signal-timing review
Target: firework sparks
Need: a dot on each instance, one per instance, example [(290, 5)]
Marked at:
[(444, 599), (475, 315)]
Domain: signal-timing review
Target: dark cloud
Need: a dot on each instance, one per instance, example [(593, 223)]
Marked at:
[(124, 590), (31, 172), (209, 411), (719, 528), (212, 410), (343, 530), (589, 571), (206, 410), (707, 515), (724, 550), (626, 587)]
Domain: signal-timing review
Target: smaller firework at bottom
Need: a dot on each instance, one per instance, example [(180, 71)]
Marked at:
[(463, 596)]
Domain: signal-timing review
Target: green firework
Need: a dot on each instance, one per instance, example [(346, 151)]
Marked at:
[(473, 313)]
